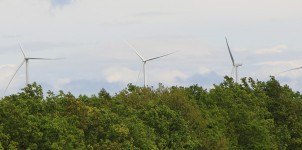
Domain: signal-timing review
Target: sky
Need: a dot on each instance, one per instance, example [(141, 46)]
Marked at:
[(90, 35)]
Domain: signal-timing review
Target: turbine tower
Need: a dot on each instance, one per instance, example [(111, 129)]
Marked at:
[(26, 61), (144, 61), (232, 58)]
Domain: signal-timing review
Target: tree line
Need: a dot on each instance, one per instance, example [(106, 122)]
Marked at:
[(249, 115)]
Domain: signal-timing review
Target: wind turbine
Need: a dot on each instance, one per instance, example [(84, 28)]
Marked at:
[(26, 61), (144, 61), (234, 64), (290, 70)]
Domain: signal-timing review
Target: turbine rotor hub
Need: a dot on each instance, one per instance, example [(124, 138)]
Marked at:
[(238, 65)]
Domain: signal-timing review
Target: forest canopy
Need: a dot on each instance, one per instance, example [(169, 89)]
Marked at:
[(249, 115)]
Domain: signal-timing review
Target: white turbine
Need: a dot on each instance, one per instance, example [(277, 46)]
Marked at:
[(234, 64), (290, 70), (26, 61), (144, 61)]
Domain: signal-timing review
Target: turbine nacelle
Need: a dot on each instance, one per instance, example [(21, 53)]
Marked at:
[(237, 65)]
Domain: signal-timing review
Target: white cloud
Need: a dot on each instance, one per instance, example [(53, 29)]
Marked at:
[(60, 83), (124, 75), (273, 50), (167, 77), (204, 70)]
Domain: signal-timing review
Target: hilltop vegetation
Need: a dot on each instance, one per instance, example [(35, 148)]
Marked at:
[(250, 115)]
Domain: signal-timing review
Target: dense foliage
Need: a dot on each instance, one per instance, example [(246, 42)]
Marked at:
[(250, 115)]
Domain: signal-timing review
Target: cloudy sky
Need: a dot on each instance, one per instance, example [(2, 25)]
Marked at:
[(264, 35)]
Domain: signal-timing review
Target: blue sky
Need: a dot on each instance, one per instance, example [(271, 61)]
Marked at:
[(264, 36), (60, 3)]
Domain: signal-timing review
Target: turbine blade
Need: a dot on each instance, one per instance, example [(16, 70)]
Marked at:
[(130, 45), (44, 58), (140, 71), (290, 70), (230, 51), (14, 76), (161, 56), (22, 50)]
